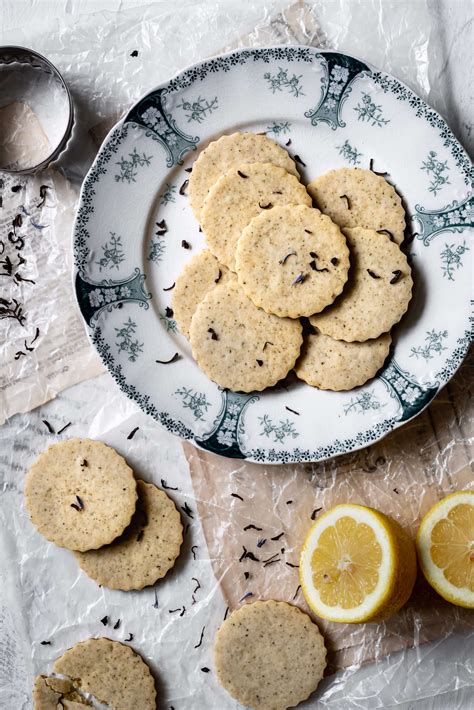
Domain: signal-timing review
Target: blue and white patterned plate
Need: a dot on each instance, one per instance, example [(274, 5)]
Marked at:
[(337, 111)]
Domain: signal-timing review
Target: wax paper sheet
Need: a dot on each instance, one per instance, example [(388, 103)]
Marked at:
[(47, 604)]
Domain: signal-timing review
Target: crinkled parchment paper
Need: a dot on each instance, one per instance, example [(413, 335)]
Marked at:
[(46, 603)]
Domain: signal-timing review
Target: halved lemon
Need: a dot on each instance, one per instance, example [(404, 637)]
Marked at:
[(445, 545), (357, 565)]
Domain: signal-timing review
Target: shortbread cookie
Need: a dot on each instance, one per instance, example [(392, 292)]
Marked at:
[(238, 345), (292, 261), (336, 365), (377, 294), (80, 494), (230, 152), (201, 273), (240, 195), (112, 672), (353, 197), (51, 693), (145, 551), (269, 655)]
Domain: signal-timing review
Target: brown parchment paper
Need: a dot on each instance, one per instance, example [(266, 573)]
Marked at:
[(403, 475)]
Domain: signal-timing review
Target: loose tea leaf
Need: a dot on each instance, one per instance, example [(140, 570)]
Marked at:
[(265, 207), (170, 287), (242, 175), (298, 160), (183, 188), (132, 433), (385, 231), (372, 274), (287, 256), (396, 276), (175, 358), (299, 279), (344, 197)]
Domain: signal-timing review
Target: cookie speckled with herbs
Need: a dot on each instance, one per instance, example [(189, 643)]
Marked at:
[(378, 291), (80, 494), (238, 345), (199, 276), (50, 693), (112, 672), (145, 551), (292, 261), (354, 197), (230, 152), (269, 655), (330, 364), (240, 195)]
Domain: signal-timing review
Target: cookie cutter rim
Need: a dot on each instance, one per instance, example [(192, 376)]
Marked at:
[(23, 55)]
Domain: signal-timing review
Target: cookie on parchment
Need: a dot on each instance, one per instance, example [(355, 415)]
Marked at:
[(80, 494), (353, 197), (112, 672), (238, 345), (199, 275), (238, 196), (51, 693), (269, 655), (292, 261), (229, 152), (145, 551), (336, 365), (378, 291)]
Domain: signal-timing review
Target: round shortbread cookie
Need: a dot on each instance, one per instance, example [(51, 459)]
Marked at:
[(112, 672), (238, 345), (292, 261), (269, 655), (336, 365), (145, 551), (240, 195), (378, 291), (199, 276), (80, 494), (230, 152), (353, 197), (51, 693)]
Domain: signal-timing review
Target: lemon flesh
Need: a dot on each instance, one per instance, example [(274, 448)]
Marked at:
[(357, 565), (445, 545)]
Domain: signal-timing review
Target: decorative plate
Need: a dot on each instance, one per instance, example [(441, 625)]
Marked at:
[(337, 111)]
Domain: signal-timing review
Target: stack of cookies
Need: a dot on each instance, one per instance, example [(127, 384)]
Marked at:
[(273, 259), (125, 533)]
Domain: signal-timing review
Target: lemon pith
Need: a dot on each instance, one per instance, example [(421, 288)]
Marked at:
[(445, 546), (357, 565)]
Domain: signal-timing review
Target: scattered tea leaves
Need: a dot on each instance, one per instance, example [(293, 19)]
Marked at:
[(166, 487), (287, 256), (242, 175), (348, 202), (132, 433), (175, 358), (200, 638), (373, 275), (396, 276), (314, 513), (184, 187)]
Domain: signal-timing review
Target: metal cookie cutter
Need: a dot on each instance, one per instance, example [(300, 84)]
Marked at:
[(36, 111)]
